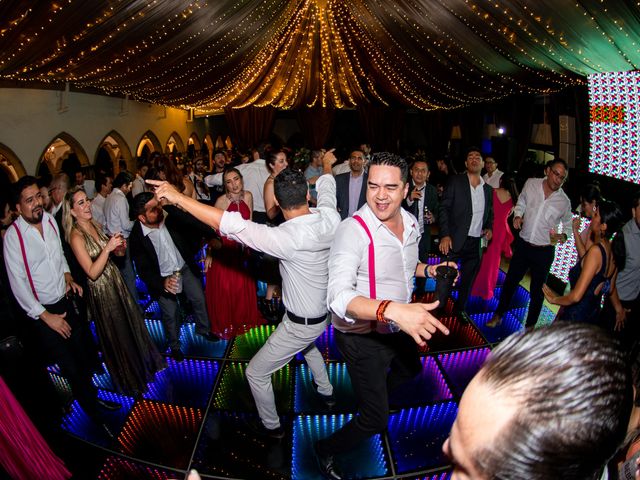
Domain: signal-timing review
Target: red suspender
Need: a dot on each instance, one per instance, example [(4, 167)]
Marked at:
[(24, 255), (372, 258)]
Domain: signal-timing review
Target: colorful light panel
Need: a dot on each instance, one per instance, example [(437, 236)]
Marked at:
[(306, 399), (460, 367), (416, 436), (116, 468), (566, 254), (367, 461), (614, 102)]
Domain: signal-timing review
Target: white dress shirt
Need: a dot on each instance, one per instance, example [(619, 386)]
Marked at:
[(254, 174), (541, 215), (302, 245), (138, 186), (477, 206), (420, 206), (169, 258), (89, 188), (493, 180), (395, 264), (116, 213), (343, 167), (46, 264), (97, 209)]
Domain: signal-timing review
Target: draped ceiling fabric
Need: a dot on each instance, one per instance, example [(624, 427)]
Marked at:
[(217, 54)]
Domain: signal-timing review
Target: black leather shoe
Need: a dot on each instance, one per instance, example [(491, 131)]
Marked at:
[(108, 405), (326, 464), (211, 337), (328, 400), (257, 427), (177, 354)]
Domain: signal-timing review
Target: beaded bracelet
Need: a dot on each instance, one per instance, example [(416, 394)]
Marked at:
[(380, 311)]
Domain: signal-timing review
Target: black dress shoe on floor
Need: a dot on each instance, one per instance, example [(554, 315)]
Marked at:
[(108, 405), (328, 400), (326, 465), (257, 427), (177, 354), (211, 337)]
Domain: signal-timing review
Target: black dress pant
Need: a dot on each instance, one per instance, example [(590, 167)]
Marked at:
[(537, 260), (469, 257), (74, 355), (368, 358)]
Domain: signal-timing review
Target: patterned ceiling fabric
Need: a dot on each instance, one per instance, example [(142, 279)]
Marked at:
[(426, 54)]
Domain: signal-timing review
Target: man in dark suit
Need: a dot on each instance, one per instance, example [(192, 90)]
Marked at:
[(351, 187), (466, 216), (159, 250), (422, 202)]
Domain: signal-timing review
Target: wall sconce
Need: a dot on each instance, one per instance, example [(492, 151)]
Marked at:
[(456, 133)]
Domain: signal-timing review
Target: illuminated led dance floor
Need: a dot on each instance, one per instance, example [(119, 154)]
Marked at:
[(195, 413)]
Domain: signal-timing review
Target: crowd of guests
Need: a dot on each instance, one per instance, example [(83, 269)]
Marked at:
[(351, 238)]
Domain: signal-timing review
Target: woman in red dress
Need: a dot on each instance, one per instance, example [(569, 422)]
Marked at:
[(504, 198), (230, 291)]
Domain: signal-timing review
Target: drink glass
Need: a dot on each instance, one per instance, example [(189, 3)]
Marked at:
[(178, 276)]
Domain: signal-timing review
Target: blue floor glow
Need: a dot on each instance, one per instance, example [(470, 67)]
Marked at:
[(199, 413)]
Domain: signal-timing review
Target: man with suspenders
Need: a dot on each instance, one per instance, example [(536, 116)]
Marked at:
[(41, 282), (371, 268)]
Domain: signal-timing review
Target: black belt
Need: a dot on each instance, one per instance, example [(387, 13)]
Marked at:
[(536, 246), (306, 321)]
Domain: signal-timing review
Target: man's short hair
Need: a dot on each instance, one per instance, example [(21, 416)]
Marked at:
[(575, 393), (123, 178), (472, 148), (388, 159), (139, 202), (290, 188), (557, 161), (101, 180), (18, 187)]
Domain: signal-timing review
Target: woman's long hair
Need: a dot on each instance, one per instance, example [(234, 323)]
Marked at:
[(68, 221), (508, 182), (611, 215), (174, 176)]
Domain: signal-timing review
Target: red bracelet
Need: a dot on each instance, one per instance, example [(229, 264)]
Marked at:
[(380, 311)]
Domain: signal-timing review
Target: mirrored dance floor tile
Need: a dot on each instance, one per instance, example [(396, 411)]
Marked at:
[(306, 398), (480, 305), (187, 383), (233, 392), (230, 448), (247, 345), (416, 436), (460, 367), (78, 423), (369, 460), (511, 322), (461, 335), (117, 468), (156, 331), (161, 433), (427, 387), (153, 311), (443, 475), (195, 345)]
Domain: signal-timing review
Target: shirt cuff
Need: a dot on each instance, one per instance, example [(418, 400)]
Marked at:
[(341, 302), (231, 223), (36, 311)]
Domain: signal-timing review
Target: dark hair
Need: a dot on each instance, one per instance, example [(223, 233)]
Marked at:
[(508, 182), (290, 188), (101, 180), (139, 202), (388, 159), (557, 161), (44, 181), (123, 178), (272, 157), (165, 165), (591, 193), (224, 174), (574, 388), (635, 200), (419, 160), (473, 148), (141, 163), (18, 187), (611, 214)]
